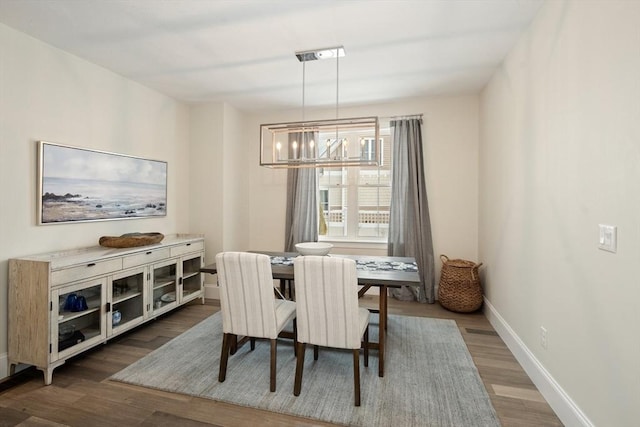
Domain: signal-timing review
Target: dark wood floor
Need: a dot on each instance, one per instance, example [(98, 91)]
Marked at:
[(82, 395)]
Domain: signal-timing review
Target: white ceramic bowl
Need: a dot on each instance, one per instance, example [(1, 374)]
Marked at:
[(313, 248)]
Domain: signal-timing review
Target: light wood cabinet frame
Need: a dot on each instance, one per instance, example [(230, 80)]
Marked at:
[(36, 284)]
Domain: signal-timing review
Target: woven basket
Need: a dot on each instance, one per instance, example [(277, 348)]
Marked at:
[(459, 288)]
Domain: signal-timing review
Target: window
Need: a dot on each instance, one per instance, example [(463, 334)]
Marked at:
[(355, 200)]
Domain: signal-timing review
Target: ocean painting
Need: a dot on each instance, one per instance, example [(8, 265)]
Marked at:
[(78, 184)]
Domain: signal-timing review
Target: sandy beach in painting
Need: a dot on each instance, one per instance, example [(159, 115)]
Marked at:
[(81, 200)]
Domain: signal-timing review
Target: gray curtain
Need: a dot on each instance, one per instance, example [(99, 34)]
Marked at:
[(409, 224), (301, 223)]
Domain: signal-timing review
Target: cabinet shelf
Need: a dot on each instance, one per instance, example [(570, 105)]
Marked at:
[(126, 296), (125, 321), (161, 281), (158, 285), (90, 333), (87, 333), (190, 274), (71, 315)]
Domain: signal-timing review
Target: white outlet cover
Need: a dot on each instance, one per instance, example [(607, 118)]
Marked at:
[(608, 238), (543, 337)]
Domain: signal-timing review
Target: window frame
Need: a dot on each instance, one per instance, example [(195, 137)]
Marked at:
[(350, 183)]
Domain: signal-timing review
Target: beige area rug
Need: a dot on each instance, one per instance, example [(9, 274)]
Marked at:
[(430, 378)]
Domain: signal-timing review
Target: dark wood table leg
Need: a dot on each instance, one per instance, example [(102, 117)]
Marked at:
[(363, 290), (383, 329)]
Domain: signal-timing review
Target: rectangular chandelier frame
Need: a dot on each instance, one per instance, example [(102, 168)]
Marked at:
[(321, 143)]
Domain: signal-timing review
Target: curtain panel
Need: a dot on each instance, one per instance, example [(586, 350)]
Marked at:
[(409, 223)]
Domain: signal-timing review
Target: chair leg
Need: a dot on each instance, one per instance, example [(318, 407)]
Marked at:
[(295, 336), (366, 347), (315, 352), (297, 385), (356, 375), (226, 343), (272, 385)]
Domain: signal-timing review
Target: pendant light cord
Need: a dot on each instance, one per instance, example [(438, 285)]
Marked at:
[(337, 91), (337, 81)]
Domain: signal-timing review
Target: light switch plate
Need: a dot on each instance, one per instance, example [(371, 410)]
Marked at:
[(608, 239)]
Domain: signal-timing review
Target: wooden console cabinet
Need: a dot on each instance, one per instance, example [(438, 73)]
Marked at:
[(63, 303)]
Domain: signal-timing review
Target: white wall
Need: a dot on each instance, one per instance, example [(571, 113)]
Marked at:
[(219, 206), (206, 160), (235, 201), (559, 154), (450, 137), (47, 94)]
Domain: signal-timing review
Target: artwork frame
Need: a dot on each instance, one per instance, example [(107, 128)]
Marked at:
[(78, 184)]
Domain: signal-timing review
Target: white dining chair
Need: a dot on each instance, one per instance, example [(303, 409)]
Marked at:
[(248, 305), (328, 314)]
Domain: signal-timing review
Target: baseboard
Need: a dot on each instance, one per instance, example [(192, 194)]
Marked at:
[(4, 365), (211, 291), (564, 407)]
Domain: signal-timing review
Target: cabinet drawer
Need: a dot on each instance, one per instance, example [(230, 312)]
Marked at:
[(187, 248), (72, 274), (145, 257)]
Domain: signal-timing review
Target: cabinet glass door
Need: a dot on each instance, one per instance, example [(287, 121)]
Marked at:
[(192, 280), (78, 317), (127, 300), (164, 286)]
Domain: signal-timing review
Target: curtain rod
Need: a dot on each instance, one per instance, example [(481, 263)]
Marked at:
[(406, 116)]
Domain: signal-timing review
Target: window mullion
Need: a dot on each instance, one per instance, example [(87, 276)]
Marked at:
[(352, 202)]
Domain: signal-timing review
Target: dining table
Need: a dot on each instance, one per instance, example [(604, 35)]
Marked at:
[(382, 272)]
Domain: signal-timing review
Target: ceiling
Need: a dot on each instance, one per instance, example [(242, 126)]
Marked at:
[(243, 51)]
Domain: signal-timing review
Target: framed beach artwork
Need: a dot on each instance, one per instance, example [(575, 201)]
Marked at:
[(78, 184)]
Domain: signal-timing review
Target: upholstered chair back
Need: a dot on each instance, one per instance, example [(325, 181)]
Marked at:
[(327, 301), (246, 294)]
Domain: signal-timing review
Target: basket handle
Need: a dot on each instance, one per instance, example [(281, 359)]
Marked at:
[(474, 270), (444, 258)]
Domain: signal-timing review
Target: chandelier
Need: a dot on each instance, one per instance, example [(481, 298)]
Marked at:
[(321, 143)]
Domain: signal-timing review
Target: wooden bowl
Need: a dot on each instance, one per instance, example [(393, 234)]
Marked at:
[(131, 240)]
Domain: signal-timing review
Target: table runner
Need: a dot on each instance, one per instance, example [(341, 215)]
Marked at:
[(367, 265)]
